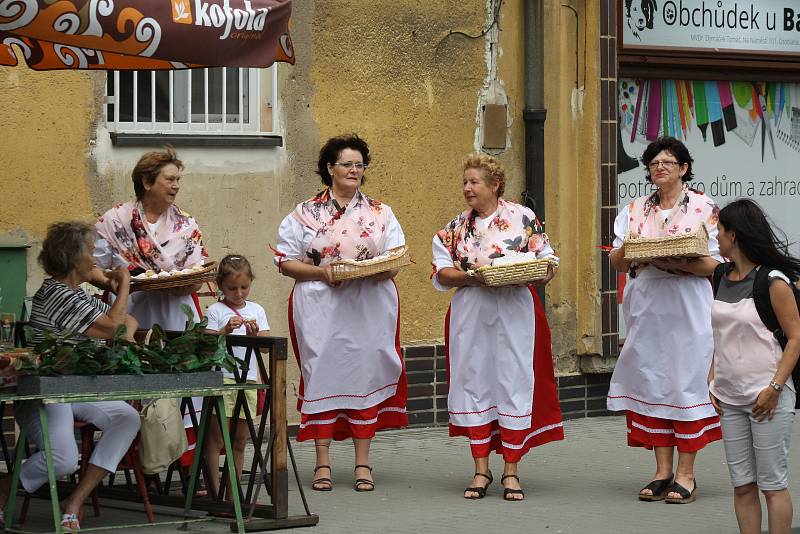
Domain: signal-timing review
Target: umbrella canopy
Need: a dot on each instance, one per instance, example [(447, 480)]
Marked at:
[(145, 34)]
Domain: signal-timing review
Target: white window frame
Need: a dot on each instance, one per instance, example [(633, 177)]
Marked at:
[(203, 126)]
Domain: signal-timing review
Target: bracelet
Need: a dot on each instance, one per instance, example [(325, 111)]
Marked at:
[(774, 385)]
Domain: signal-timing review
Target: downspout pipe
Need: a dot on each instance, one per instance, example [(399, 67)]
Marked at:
[(535, 113)]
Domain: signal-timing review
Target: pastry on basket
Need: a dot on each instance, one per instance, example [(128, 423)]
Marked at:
[(514, 268), (688, 245), (151, 280), (391, 259)]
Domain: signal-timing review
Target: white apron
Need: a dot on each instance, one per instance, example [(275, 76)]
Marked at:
[(663, 367), (491, 345), (346, 337)]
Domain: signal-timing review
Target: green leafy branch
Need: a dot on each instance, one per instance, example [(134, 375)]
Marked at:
[(194, 350)]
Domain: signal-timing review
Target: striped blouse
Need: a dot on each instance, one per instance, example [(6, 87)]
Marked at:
[(60, 310)]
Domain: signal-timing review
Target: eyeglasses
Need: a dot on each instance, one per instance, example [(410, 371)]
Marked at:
[(653, 165), (349, 165)]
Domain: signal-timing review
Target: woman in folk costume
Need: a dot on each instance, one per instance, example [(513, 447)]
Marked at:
[(502, 392), (660, 379), (345, 334), (151, 233)]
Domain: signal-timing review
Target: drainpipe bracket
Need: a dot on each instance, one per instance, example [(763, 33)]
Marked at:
[(534, 115)]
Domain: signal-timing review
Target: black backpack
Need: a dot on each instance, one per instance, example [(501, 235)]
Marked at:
[(764, 308)]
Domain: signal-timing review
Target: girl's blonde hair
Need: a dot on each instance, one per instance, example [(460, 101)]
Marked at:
[(234, 264), (493, 170)]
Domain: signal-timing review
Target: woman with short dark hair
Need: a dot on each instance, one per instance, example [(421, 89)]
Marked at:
[(660, 377), (61, 308), (345, 334), (751, 378)]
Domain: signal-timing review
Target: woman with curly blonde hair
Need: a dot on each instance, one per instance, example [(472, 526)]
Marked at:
[(497, 339)]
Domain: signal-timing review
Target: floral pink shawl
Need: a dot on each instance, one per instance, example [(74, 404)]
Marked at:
[(356, 232), (176, 244), (513, 228), (691, 209)]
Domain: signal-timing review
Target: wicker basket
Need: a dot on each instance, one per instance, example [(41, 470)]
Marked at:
[(643, 249), (206, 274), (350, 269), (512, 274)]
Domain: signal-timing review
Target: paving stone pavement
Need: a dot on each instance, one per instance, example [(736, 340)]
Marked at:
[(584, 484)]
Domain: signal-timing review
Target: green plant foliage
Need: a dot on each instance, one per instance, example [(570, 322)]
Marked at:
[(194, 350)]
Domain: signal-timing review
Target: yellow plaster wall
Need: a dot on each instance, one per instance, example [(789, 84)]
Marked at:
[(572, 178), (390, 71), (46, 128)]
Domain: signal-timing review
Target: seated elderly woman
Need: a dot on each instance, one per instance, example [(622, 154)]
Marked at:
[(60, 306)]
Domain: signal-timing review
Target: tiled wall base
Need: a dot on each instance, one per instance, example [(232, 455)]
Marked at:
[(581, 395)]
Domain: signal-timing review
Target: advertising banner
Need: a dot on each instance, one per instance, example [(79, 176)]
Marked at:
[(765, 26), (744, 138), (145, 34)]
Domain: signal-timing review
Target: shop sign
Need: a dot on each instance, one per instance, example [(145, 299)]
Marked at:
[(764, 26)]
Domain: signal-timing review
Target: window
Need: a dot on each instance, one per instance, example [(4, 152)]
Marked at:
[(218, 101)]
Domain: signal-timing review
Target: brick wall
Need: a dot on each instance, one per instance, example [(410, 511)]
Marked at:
[(582, 395), (608, 170)]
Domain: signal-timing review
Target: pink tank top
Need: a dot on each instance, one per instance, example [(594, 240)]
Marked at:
[(746, 354)]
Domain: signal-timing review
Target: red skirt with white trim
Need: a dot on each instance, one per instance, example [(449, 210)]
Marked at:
[(546, 422), (689, 436), (345, 423), (360, 424)]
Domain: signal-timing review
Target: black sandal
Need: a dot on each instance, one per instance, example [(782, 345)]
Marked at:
[(480, 490), (659, 489), (363, 481), (508, 491), (686, 496), (323, 480)]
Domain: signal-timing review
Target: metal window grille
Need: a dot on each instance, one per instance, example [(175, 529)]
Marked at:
[(219, 100)]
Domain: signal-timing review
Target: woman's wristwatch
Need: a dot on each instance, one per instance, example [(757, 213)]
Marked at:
[(774, 385)]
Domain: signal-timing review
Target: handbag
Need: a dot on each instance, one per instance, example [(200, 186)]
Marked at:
[(163, 439)]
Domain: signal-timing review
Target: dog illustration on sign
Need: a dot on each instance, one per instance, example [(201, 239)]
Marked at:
[(639, 15)]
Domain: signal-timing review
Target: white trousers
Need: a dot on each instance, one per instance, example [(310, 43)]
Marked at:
[(118, 420)]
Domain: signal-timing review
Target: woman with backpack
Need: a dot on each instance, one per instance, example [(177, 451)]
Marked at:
[(750, 380)]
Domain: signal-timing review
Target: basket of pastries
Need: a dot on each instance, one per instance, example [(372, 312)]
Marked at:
[(391, 259), (514, 269), (152, 280), (688, 245)]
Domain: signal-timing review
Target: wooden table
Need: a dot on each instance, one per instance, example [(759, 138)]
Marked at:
[(212, 395), (269, 354)]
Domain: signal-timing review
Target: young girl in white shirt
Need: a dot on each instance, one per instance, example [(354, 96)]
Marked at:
[(234, 314)]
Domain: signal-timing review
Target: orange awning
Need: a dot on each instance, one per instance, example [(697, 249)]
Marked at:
[(145, 34)]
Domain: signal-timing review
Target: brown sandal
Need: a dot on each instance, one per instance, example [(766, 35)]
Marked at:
[(686, 496), (315, 484), (370, 485), (508, 492), (480, 491), (658, 488)]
